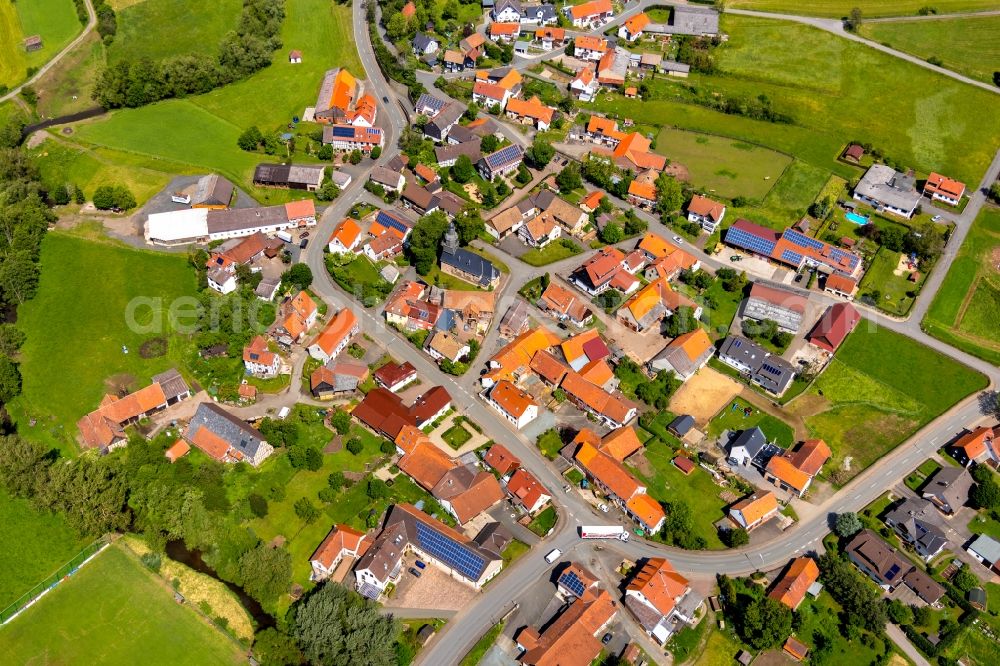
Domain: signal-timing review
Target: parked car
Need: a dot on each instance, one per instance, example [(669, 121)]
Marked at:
[(798, 277), (304, 243), (678, 239), (553, 556), (936, 218), (420, 565), (736, 257), (606, 638), (304, 234), (603, 507), (414, 572), (567, 488)]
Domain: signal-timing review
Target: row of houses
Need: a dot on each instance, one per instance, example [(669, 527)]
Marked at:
[(201, 225)]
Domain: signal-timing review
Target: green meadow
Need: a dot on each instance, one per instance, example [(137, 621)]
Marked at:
[(197, 28), (869, 8), (55, 21)]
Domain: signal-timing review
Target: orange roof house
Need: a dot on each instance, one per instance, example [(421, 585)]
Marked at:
[(621, 443), (335, 336), (104, 428), (549, 368), (685, 354), (342, 541), (514, 359), (527, 490), (647, 511), (571, 639), (796, 648), (974, 446), (635, 26), (425, 463), (591, 43), (752, 511), (944, 188), (501, 459), (794, 471), (505, 29), (532, 109), (791, 588), (703, 208), (178, 450), (590, 9), (657, 584), (656, 246), (345, 236), (633, 152), (607, 472), (644, 191), (592, 200)]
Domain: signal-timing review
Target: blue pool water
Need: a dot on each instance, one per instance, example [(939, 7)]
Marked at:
[(856, 219)]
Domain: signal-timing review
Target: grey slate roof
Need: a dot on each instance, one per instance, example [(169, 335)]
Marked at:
[(887, 186), (213, 190), (471, 264), (950, 485), (913, 518), (753, 440), (766, 369), (422, 40), (172, 383), (986, 547), (682, 424), (238, 434)]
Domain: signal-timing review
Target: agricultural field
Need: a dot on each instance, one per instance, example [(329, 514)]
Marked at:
[(200, 132), (76, 329), (723, 166), (869, 8), (874, 395), (969, 46), (88, 167), (113, 611), (964, 310), (204, 24), (55, 21), (824, 83), (33, 545)]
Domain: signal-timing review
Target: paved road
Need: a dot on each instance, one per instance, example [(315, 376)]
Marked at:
[(499, 596), (836, 26), (91, 24)]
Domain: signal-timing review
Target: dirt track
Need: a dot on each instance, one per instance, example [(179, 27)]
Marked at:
[(704, 395)]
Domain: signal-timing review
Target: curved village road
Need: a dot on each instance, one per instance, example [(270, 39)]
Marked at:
[(460, 634), (91, 24)]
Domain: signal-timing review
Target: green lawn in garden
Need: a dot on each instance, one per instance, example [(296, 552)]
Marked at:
[(984, 524), (551, 253), (820, 615), (698, 490), (773, 428), (825, 83), (479, 650), (896, 292), (456, 436), (514, 550), (876, 393), (200, 28), (721, 165), (543, 522), (969, 46), (869, 8), (113, 611), (33, 545), (720, 649), (78, 322), (960, 313)]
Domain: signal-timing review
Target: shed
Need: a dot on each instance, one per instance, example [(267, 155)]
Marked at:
[(684, 464), (33, 43), (425, 633), (744, 657), (681, 425), (977, 597), (295, 57)]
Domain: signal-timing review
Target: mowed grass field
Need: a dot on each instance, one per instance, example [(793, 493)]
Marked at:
[(113, 611), (965, 309), (828, 85), (970, 46), (721, 165), (55, 21), (878, 390), (33, 545), (200, 27), (869, 8), (78, 322), (201, 131)]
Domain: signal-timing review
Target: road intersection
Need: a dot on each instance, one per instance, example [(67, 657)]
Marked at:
[(461, 633)]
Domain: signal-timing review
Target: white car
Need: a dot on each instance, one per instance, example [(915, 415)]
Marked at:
[(678, 239), (936, 218), (554, 555), (603, 507)]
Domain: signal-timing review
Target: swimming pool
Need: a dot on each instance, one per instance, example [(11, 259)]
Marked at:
[(856, 219)]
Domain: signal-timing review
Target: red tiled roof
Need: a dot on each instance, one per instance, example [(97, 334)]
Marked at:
[(834, 326), (501, 459), (792, 586)]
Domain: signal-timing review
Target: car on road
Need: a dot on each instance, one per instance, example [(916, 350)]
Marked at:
[(414, 572), (678, 239), (304, 243), (606, 638), (553, 555), (736, 257), (603, 507), (567, 488), (936, 218), (385, 99)]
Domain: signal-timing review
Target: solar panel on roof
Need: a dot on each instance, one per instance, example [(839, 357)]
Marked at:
[(391, 221), (572, 582), (449, 551), (504, 155), (749, 241), (770, 369), (343, 131), (893, 571)]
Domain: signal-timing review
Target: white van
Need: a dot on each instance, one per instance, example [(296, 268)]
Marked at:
[(553, 556)]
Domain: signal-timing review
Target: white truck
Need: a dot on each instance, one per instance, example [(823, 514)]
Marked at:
[(285, 236), (603, 532)]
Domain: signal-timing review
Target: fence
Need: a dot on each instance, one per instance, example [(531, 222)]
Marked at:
[(66, 570)]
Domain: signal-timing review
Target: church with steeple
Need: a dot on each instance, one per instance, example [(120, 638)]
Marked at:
[(466, 265)]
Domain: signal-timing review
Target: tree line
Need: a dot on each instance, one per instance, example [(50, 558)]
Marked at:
[(242, 52)]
